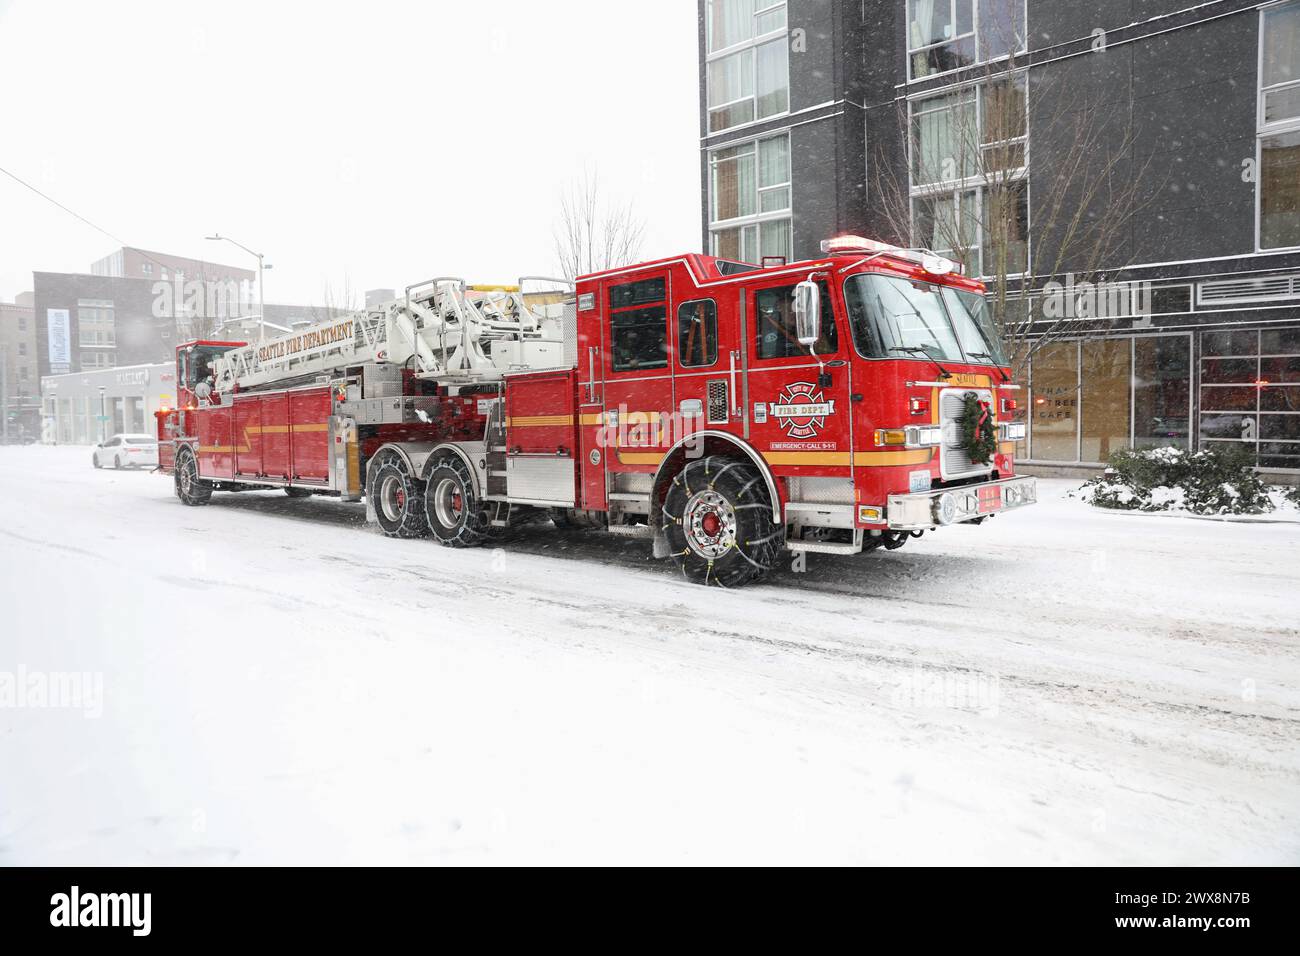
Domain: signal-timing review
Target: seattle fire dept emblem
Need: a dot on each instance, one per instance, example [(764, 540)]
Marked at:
[(801, 410)]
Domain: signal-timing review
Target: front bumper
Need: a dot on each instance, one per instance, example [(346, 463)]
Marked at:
[(935, 509)]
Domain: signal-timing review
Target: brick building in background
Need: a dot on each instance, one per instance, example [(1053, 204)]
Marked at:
[(20, 381), (810, 109), (129, 262)]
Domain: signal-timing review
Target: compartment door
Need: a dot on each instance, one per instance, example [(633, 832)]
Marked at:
[(248, 438), (309, 414)]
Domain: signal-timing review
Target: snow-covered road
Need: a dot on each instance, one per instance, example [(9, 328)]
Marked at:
[(280, 683)]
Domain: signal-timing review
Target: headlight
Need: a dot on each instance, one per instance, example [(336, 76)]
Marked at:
[(924, 436), (945, 508), (1013, 431)]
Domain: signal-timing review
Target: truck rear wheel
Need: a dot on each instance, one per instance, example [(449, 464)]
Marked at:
[(190, 488), (718, 521), (456, 517), (399, 502)]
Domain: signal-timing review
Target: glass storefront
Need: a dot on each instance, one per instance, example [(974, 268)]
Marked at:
[(85, 407), (1054, 390), (1250, 393), (1091, 398), (1162, 391), (1104, 396)]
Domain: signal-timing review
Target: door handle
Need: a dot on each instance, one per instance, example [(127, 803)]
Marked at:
[(591, 374), (735, 402)]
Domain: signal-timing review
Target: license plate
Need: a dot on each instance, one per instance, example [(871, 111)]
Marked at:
[(918, 481), (990, 498)]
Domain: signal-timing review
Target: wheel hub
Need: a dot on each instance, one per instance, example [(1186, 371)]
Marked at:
[(392, 498), (448, 503), (710, 524)]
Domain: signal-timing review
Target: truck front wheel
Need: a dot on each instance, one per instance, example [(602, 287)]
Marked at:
[(718, 521), (398, 501), (190, 488), (456, 517)]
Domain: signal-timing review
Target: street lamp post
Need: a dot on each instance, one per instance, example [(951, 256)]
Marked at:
[(261, 298), (103, 415)]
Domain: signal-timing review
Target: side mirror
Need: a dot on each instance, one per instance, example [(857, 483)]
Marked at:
[(807, 313)]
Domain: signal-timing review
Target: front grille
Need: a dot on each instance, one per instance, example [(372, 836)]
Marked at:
[(953, 460), (716, 410)]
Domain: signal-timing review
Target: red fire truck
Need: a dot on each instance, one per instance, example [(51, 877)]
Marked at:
[(723, 410)]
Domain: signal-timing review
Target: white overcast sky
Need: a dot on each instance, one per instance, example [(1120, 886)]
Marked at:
[(369, 143)]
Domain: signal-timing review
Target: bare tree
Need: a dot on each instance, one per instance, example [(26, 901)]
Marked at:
[(335, 301), (591, 233), (1012, 142)]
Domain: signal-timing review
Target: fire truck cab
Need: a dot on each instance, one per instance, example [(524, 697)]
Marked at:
[(724, 410), (824, 396)]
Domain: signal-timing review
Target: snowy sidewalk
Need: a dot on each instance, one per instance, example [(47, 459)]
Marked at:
[(283, 684)]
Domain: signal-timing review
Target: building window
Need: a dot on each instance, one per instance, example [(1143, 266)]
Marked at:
[(146, 268), (22, 349), (22, 323), (944, 35), (1250, 394), (748, 68), (95, 323), (94, 360), (749, 200), (1279, 127), (970, 177)]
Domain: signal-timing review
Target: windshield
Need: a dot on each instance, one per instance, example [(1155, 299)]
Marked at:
[(894, 317), (196, 362), (974, 324)]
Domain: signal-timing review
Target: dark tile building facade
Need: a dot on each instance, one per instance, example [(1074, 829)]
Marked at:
[(884, 117)]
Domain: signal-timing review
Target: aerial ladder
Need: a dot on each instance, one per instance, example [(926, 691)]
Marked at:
[(446, 329)]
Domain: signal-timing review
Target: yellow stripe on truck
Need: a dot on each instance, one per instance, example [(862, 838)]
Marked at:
[(810, 459), (538, 421)]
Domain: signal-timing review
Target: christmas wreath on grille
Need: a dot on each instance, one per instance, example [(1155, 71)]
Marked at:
[(979, 439)]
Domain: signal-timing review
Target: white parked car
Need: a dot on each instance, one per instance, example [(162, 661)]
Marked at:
[(126, 451)]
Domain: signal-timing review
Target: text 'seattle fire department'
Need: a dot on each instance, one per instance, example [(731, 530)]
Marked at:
[(724, 410)]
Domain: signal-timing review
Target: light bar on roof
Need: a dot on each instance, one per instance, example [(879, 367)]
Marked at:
[(935, 265), (855, 244)]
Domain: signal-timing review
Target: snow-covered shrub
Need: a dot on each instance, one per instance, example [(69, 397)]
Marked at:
[(1208, 482), (1291, 493)]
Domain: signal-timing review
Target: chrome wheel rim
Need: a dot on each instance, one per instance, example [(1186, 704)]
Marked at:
[(448, 503), (392, 498), (710, 524), (188, 470)]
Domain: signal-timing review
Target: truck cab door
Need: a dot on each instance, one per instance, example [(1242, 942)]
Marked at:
[(638, 374), (799, 406), (708, 362)]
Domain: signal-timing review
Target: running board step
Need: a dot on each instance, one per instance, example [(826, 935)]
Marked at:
[(828, 547), (631, 530)]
